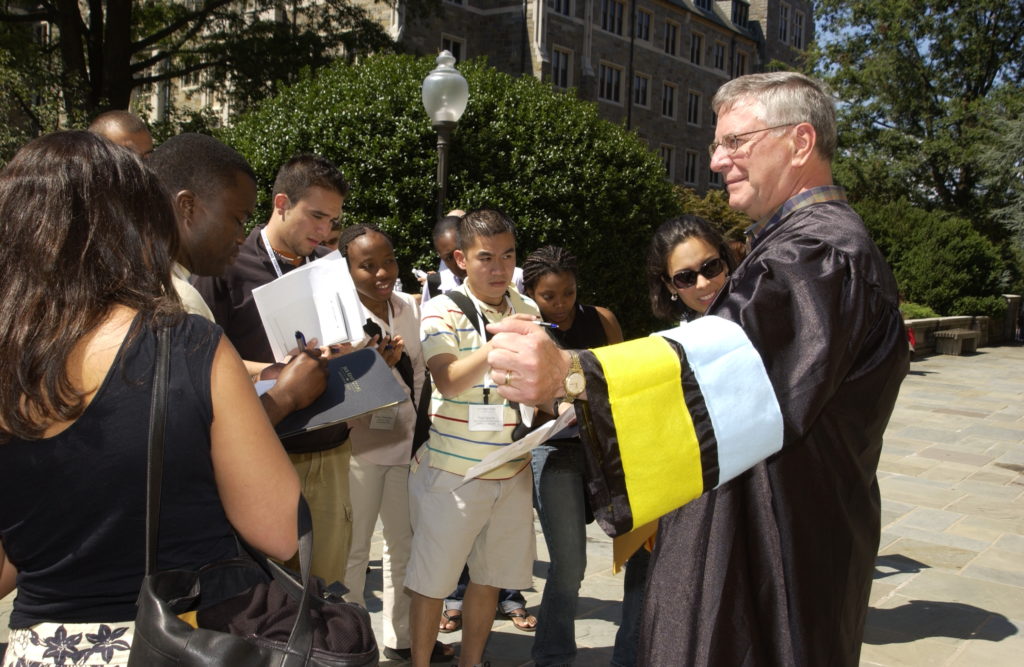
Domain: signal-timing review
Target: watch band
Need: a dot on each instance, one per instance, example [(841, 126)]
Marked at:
[(575, 381)]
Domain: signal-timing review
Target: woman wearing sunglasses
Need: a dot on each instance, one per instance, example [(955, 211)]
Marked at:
[(687, 266), (688, 263)]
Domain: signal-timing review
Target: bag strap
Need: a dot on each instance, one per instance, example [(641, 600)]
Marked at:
[(300, 641), (157, 421), (433, 284), (471, 311)]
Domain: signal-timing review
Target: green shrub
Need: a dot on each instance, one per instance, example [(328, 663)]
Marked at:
[(714, 207), (938, 259), (565, 176), (915, 311), (992, 306)]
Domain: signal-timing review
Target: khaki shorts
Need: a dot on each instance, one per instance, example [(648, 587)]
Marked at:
[(487, 524)]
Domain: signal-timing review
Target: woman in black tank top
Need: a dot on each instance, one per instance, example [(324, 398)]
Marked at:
[(89, 240), (549, 277)]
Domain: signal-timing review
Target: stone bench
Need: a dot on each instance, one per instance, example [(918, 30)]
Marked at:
[(956, 341)]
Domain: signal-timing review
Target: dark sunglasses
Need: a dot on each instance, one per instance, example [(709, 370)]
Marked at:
[(687, 278)]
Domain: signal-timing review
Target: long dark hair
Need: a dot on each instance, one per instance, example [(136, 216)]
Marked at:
[(84, 227), (666, 238)]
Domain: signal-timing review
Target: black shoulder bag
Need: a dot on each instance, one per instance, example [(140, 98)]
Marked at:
[(282, 620)]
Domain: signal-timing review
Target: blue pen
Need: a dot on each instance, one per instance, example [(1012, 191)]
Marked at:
[(300, 340), (549, 325)]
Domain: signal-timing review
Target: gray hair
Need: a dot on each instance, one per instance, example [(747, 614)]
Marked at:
[(785, 98)]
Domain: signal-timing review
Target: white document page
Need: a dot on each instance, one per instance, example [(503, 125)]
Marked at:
[(519, 447), (319, 299)]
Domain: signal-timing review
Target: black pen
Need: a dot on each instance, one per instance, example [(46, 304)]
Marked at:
[(300, 340)]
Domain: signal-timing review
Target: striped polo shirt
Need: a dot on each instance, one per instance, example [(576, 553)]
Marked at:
[(445, 329)]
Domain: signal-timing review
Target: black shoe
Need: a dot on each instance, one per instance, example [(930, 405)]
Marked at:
[(439, 654)]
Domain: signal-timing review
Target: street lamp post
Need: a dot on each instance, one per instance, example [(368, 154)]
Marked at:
[(445, 94)]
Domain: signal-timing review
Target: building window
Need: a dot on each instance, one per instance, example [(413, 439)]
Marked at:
[(611, 16), (693, 108), (714, 179), (668, 100), (783, 23), (41, 33), (610, 83), (671, 38), (641, 90), (798, 30), (690, 167), (668, 159), (191, 79), (454, 45), (642, 21), (740, 13), (719, 56), (563, 7), (740, 64), (696, 48), (703, 4), (561, 67)]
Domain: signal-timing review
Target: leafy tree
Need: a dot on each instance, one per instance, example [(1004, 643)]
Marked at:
[(920, 82), (714, 207), (939, 259), (564, 175), (98, 52), (1003, 161)]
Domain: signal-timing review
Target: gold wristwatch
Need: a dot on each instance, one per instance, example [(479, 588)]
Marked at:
[(575, 383)]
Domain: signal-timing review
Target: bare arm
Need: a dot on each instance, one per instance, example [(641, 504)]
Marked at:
[(612, 330), (254, 368), (255, 479), (452, 375), (8, 574)]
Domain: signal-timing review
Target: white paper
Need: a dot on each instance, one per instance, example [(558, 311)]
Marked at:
[(263, 386), (319, 299), (505, 454)]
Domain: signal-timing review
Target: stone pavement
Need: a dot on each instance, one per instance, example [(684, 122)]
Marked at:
[(949, 582)]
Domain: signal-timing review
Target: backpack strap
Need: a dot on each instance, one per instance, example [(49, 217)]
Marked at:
[(433, 284)]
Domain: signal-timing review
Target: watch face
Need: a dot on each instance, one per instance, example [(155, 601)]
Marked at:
[(575, 383)]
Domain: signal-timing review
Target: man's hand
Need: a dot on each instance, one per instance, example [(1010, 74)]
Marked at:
[(299, 383), (526, 364)]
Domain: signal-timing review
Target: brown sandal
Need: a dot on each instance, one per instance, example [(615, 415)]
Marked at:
[(522, 619), (450, 617)]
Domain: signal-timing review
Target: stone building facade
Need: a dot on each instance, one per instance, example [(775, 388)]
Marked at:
[(652, 65)]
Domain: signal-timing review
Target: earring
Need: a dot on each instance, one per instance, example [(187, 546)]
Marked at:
[(675, 296)]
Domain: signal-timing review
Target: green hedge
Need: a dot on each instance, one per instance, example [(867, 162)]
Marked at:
[(566, 176), (915, 311), (939, 260)]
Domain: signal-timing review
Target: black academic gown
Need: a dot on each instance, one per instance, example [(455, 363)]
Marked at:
[(775, 566)]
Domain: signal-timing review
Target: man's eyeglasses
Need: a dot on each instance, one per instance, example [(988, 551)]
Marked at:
[(687, 278), (731, 142)]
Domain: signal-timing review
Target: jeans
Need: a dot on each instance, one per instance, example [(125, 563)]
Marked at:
[(627, 639), (561, 505), (508, 599)]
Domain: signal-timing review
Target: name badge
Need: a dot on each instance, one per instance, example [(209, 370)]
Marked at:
[(384, 419), (486, 417)]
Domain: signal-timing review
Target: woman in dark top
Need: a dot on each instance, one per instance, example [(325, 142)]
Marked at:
[(89, 237), (549, 277)]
